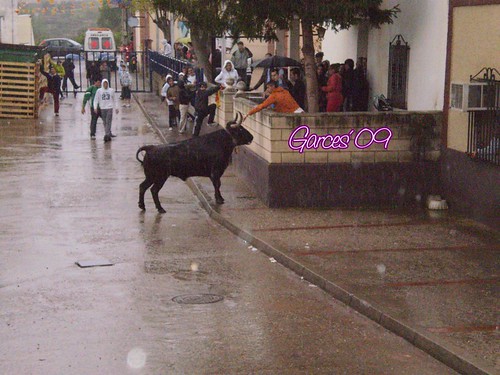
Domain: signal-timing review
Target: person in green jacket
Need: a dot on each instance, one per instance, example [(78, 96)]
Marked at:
[(89, 97)]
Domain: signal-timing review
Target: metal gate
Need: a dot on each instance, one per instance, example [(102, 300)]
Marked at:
[(89, 65), (484, 125)]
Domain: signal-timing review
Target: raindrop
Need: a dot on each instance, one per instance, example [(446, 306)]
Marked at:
[(418, 197), (174, 225), (453, 232), (381, 268), (272, 260), (254, 249), (136, 358), (401, 191), (194, 266)]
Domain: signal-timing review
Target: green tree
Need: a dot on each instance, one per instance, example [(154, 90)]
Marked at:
[(109, 17)]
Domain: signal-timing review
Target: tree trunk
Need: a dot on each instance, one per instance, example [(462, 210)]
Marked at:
[(201, 43), (310, 67), (163, 23)]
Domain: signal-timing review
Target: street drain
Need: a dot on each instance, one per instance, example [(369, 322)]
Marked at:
[(198, 299)]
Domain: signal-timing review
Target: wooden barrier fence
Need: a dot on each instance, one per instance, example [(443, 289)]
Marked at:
[(19, 90)]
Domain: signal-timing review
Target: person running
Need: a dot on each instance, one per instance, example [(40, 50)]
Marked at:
[(203, 109), (69, 73), (53, 86), (105, 101), (281, 98), (94, 115), (333, 89)]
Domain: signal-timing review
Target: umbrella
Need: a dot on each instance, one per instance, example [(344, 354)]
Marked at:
[(184, 40), (276, 62)]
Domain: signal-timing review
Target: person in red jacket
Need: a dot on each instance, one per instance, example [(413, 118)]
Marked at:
[(333, 89)]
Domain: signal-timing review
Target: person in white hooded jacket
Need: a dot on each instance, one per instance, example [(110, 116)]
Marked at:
[(104, 102), (227, 72)]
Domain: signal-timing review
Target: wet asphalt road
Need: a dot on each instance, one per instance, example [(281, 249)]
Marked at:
[(66, 198)]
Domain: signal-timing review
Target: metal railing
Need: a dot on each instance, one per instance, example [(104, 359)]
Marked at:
[(164, 65), (483, 140)]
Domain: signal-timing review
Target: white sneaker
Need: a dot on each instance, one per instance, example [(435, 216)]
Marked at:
[(170, 129), (212, 124)]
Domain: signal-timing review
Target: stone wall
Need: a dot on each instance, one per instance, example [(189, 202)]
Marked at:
[(402, 174), (415, 135)]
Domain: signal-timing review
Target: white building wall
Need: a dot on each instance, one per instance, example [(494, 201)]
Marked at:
[(340, 46), (424, 25)]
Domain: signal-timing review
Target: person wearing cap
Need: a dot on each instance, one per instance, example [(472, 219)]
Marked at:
[(203, 109)]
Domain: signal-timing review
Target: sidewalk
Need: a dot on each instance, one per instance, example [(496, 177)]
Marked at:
[(429, 278)]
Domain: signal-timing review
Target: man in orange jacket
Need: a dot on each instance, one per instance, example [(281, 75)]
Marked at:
[(281, 98)]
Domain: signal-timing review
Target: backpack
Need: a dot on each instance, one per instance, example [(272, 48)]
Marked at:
[(381, 103)]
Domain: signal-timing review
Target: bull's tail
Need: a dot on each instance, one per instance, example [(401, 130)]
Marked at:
[(143, 148)]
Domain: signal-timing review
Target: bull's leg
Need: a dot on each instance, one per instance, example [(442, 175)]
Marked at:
[(142, 190), (155, 189), (215, 178)]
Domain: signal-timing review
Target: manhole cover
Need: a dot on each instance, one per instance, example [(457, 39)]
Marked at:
[(197, 299)]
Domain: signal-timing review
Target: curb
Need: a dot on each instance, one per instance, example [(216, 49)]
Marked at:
[(417, 339)]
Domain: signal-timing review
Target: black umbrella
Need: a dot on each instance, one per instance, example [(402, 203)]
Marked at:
[(276, 62)]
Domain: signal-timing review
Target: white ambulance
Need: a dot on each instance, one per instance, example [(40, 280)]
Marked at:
[(100, 45)]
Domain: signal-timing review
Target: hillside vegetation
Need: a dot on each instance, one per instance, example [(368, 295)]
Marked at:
[(71, 19)]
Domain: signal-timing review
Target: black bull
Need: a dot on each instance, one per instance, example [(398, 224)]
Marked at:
[(206, 156)]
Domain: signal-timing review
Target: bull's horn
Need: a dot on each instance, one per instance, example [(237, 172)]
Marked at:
[(241, 118)]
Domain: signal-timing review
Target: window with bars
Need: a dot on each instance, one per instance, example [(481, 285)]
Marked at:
[(399, 57)]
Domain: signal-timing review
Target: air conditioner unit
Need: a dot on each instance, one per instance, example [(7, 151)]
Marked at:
[(474, 96)]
